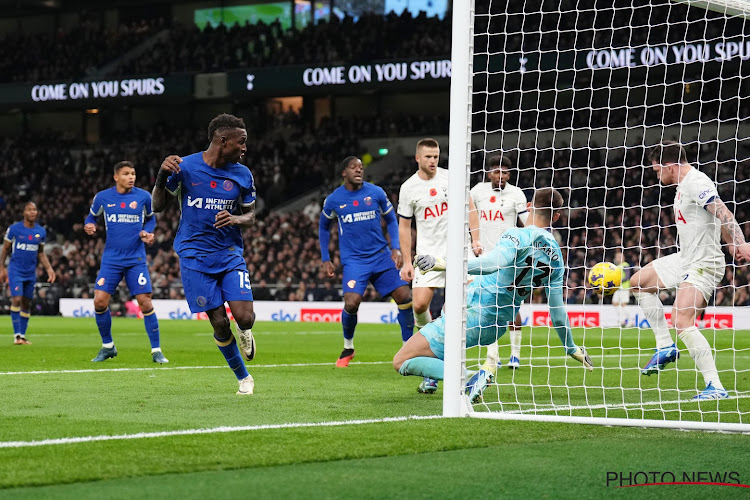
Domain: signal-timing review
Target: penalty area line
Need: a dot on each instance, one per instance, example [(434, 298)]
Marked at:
[(213, 430), (161, 368)]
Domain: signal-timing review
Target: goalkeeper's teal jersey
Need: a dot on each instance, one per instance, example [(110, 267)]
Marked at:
[(523, 259)]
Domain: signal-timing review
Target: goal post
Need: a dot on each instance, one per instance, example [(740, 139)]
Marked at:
[(574, 93)]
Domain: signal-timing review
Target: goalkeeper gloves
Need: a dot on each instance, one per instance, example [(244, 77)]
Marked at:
[(429, 263), (583, 357)]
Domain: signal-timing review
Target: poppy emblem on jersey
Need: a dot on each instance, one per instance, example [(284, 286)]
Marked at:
[(30, 237), (201, 300), (100, 282), (228, 185), (433, 192), (492, 199), (213, 184), (355, 203), (133, 205), (351, 283), (368, 200)]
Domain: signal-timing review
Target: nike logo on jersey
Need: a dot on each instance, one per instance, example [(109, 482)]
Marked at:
[(111, 204), (342, 206), (196, 183)]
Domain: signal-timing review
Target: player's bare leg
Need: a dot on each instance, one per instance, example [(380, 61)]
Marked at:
[(688, 302), (417, 347), (104, 324), (645, 285)]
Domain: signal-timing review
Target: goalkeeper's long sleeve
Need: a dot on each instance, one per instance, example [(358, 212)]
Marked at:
[(392, 225), (500, 257), (559, 316), (324, 236)]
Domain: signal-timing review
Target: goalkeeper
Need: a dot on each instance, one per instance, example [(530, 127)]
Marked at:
[(524, 259)]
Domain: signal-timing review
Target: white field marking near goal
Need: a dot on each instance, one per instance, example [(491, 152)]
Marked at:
[(213, 430), (290, 365)]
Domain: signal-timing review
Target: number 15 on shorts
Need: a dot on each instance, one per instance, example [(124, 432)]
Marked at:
[(244, 279)]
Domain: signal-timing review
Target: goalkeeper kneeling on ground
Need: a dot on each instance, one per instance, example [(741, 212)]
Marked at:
[(524, 259)]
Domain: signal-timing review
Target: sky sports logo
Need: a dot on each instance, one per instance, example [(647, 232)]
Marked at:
[(668, 478), (577, 318)]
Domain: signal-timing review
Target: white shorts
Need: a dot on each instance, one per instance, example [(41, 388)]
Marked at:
[(672, 273), (621, 296), (430, 279)]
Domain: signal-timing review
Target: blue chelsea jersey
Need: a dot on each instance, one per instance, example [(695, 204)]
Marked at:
[(25, 242), (359, 214), (124, 216), (204, 191)]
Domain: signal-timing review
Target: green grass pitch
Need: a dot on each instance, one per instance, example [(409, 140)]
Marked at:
[(357, 432)]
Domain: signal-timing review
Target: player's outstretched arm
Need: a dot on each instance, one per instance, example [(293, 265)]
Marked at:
[(500, 257), (730, 231), (170, 165), (559, 316), (4, 255)]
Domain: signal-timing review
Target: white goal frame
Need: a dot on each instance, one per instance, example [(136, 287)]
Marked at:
[(455, 402)]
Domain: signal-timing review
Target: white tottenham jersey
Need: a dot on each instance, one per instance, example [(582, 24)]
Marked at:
[(427, 202), (698, 230), (497, 210)]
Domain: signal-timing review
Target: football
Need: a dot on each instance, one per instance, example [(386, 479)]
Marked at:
[(605, 278)]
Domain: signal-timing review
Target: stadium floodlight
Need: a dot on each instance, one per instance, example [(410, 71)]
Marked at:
[(576, 92)]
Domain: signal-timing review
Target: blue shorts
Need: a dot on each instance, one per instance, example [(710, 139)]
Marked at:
[(478, 331), (136, 277), (208, 290), (382, 273), (21, 286)]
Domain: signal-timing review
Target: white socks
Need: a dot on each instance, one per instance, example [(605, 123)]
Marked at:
[(700, 351), (348, 343), (515, 342), (421, 319), (654, 312)]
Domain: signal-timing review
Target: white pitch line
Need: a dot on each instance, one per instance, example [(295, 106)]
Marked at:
[(160, 368), (214, 430)]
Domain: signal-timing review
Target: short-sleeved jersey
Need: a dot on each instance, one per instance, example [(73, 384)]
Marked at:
[(124, 215), (523, 259), (25, 243), (427, 202), (698, 230), (203, 192), (498, 210), (359, 214)]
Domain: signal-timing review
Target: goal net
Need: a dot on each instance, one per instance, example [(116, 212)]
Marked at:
[(574, 93)]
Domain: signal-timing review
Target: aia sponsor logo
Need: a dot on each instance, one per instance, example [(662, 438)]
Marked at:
[(576, 318), (436, 210), (321, 315)]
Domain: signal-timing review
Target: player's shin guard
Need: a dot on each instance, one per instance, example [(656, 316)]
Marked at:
[(406, 320), (700, 351), (421, 319), (104, 323), (15, 319), (152, 327), (424, 367), (348, 323), (231, 353), (653, 309)]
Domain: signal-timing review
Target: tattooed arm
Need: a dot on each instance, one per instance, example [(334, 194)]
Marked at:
[(730, 230)]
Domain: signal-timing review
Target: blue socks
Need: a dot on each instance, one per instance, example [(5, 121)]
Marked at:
[(406, 320), (349, 323), (104, 323), (15, 319), (424, 367), (152, 327), (234, 359), (24, 321)]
